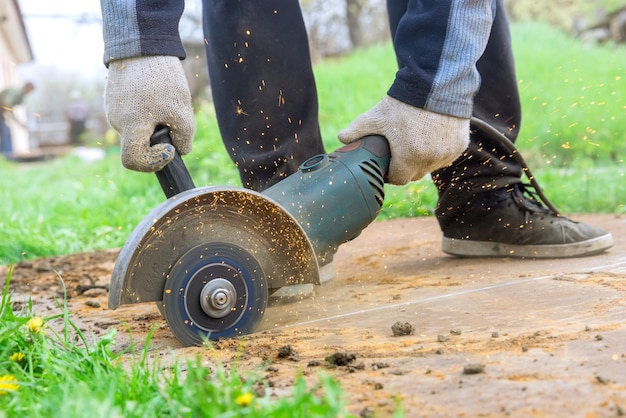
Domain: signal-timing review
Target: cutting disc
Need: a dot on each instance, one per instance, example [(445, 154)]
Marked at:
[(214, 291), (211, 217)]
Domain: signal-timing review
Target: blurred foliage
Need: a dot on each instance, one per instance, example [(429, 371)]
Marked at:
[(574, 112), (569, 15)]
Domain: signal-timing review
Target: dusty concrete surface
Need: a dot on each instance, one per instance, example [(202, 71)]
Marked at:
[(491, 337)]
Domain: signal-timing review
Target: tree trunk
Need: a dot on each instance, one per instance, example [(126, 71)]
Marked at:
[(353, 19)]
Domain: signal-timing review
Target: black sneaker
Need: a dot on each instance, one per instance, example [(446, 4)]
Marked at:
[(512, 223)]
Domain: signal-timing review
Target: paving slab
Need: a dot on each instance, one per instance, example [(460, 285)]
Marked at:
[(548, 335)]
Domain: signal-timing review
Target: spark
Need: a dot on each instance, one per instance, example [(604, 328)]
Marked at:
[(281, 99)]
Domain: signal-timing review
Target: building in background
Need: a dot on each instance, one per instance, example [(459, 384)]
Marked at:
[(15, 49)]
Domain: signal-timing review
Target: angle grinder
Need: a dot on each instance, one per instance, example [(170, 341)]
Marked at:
[(211, 256)]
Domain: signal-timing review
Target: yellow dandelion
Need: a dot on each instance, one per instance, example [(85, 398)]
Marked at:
[(244, 399), (8, 383), (35, 324), (17, 357)]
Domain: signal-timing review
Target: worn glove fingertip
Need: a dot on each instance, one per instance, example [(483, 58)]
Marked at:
[(185, 150), (352, 133), (154, 159), (368, 123), (344, 136), (183, 142), (401, 177)]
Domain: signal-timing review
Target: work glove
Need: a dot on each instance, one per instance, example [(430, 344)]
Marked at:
[(420, 141), (142, 93)]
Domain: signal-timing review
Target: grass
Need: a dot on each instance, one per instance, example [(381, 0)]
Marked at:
[(573, 135), (574, 100), (49, 368)]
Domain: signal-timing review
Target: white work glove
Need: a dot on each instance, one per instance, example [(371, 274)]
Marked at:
[(140, 94), (420, 141)]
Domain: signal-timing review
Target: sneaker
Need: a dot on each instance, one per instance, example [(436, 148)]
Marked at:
[(512, 223)]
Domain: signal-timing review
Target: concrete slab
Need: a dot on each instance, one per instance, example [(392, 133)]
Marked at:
[(550, 334)]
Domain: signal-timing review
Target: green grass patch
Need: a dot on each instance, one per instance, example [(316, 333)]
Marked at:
[(573, 99)]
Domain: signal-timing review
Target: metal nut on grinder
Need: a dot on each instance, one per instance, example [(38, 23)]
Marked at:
[(211, 256)]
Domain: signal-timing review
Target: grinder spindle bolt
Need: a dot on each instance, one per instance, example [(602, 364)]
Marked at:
[(211, 256), (218, 298)]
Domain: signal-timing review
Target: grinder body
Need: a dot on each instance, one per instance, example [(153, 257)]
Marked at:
[(334, 197)]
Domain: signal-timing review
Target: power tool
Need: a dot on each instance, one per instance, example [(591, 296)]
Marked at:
[(210, 257)]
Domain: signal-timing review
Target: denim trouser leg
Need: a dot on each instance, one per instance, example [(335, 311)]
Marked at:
[(263, 86)]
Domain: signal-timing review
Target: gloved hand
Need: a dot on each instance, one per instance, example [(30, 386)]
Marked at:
[(140, 94), (420, 141)]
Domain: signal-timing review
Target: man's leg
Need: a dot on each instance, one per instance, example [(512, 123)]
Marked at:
[(485, 165), (263, 86), (481, 196), (497, 103), (6, 144)]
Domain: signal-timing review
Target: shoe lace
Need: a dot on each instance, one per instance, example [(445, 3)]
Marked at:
[(528, 196)]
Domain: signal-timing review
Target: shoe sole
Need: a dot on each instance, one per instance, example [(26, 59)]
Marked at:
[(468, 248), (305, 290)]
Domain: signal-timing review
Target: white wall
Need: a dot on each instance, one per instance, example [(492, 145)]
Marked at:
[(14, 50)]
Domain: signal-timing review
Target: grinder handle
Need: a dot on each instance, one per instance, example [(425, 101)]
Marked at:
[(174, 178)]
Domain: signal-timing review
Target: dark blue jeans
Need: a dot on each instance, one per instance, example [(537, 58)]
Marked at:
[(266, 100)]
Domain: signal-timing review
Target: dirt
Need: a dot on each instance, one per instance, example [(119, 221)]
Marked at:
[(403, 321)]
